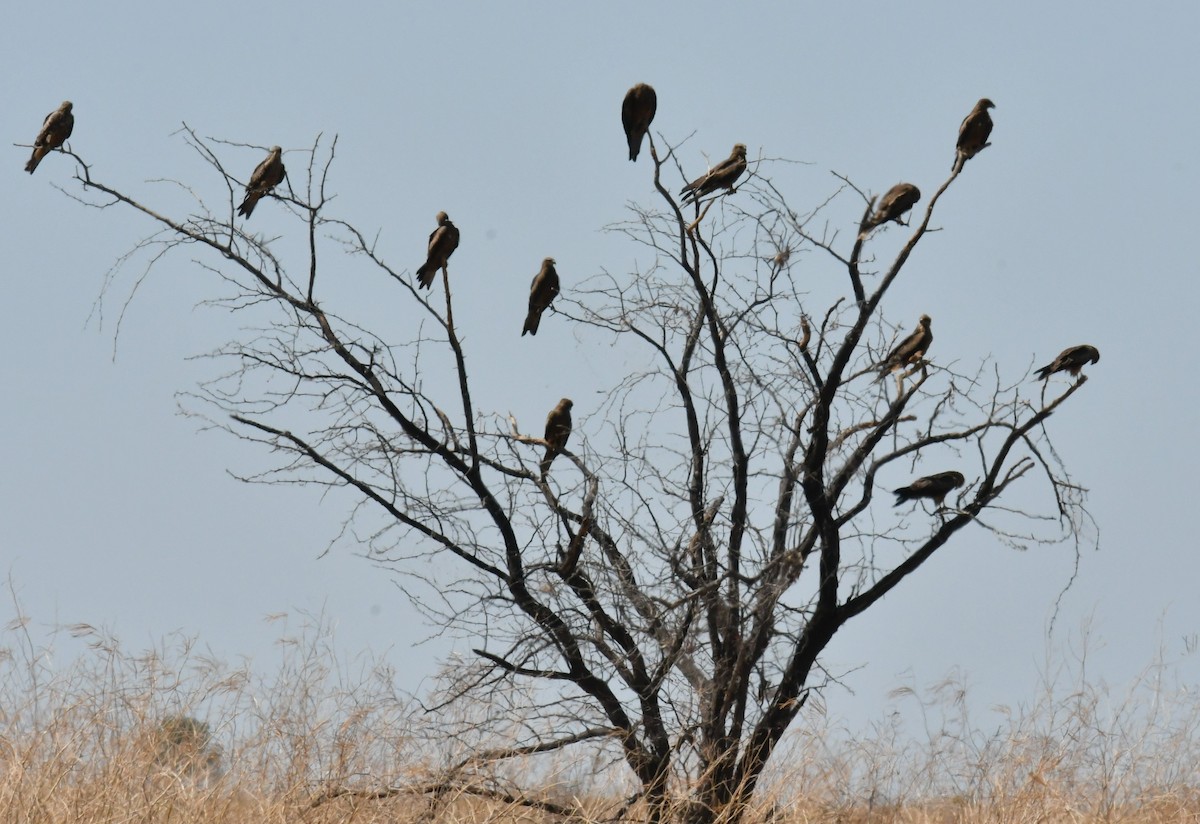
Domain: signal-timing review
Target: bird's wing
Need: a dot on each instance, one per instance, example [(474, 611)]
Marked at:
[(441, 244), (259, 176), (629, 118), (904, 349)]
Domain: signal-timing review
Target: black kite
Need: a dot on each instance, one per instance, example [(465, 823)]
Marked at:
[(637, 110), (974, 132), (1071, 360), (442, 243), (56, 128), (910, 350), (721, 176), (542, 293), (898, 200), (267, 175), (558, 429), (936, 487)]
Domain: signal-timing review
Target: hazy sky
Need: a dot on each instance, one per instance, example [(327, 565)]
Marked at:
[(119, 512)]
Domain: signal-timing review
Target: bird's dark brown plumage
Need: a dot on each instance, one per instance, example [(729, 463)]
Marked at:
[(558, 429), (721, 176), (936, 487), (442, 243), (974, 132), (637, 111), (267, 175), (56, 128), (898, 200), (910, 350), (542, 293), (1071, 360)]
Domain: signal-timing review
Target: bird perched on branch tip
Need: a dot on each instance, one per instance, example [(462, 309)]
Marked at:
[(442, 243), (637, 111), (56, 128), (974, 132)]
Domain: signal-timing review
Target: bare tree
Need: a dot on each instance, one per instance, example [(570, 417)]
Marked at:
[(665, 592)]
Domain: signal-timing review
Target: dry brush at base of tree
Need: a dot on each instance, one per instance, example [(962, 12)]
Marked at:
[(662, 596), (169, 734)]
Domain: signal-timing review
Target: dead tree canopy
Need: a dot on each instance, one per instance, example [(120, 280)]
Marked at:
[(661, 598)]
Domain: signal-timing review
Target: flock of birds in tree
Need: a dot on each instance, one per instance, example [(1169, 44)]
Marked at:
[(637, 112)]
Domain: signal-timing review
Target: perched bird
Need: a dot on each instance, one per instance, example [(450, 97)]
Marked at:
[(898, 200), (637, 111), (936, 487), (1071, 360), (721, 176), (56, 128), (267, 175), (910, 350), (542, 293), (974, 131), (558, 429), (442, 243)]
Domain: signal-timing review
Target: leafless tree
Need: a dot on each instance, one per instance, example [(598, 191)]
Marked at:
[(664, 594)]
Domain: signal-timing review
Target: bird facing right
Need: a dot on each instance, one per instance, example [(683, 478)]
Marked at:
[(910, 350), (1071, 359), (266, 176), (898, 200), (935, 487), (974, 132), (542, 293), (558, 429), (56, 128), (721, 176)]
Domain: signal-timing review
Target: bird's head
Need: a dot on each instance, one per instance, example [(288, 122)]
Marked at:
[(739, 150), (957, 477), (926, 320), (549, 262), (565, 404), (1093, 353), (276, 150), (442, 218), (985, 103), (66, 105)]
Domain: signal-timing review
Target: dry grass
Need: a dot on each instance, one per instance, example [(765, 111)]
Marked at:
[(172, 736)]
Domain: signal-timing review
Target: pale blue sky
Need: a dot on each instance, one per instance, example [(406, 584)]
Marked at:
[(119, 512)]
